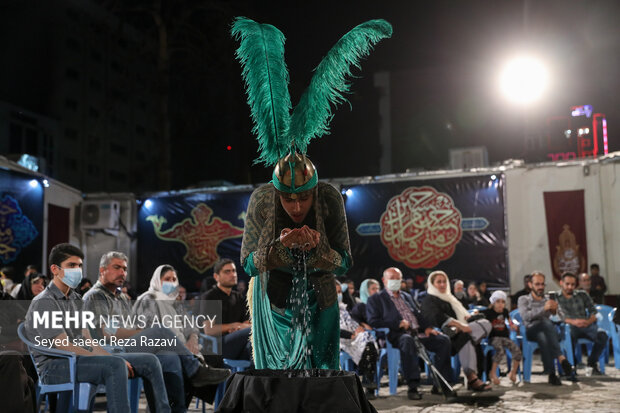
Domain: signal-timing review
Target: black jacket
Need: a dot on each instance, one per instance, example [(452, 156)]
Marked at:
[(438, 311), (381, 312)]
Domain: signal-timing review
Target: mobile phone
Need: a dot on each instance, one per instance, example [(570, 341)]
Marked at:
[(552, 295)]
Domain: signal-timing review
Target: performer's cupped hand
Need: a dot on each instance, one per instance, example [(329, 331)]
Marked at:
[(303, 238)]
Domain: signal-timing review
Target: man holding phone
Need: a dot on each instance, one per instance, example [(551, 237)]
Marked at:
[(536, 311)]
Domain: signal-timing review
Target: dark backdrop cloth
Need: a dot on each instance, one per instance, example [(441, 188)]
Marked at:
[(190, 232), (286, 391), (566, 231), (455, 224), (21, 221)]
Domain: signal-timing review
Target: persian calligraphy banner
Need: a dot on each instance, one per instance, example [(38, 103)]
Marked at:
[(453, 224), (21, 221), (566, 231), (190, 232)]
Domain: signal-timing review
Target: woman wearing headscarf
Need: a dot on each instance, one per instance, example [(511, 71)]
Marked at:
[(444, 310), (161, 300), (368, 288), (33, 285)]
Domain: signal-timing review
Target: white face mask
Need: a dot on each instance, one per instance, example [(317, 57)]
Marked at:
[(393, 285)]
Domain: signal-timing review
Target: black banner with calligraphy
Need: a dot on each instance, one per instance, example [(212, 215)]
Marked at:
[(453, 224), (190, 232), (21, 222)]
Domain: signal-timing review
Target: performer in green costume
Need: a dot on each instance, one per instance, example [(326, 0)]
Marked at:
[(295, 237)]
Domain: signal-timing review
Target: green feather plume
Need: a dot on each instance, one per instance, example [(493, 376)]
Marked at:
[(312, 115), (261, 54)]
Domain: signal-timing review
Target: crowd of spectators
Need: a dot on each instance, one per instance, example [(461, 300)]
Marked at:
[(450, 320)]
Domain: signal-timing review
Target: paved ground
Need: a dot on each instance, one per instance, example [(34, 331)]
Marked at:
[(590, 394)]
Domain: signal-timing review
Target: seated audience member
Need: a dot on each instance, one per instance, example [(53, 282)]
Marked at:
[(444, 311), (30, 269), (161, 300), (33, 285), (347, 298), (107, 299), (7, 277), (84, 286), (525, 291), (484, 290), (410, 285), (500, 336), (94, 364), (598, 288), (397, 311), (579, 312), (234, 327), (128, 292), (460, 294), (242, 288), (535, 310), (358, 343), (358, 313), (182, 296), (474, 296)]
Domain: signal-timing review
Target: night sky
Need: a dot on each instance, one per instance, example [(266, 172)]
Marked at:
[(444, 59)]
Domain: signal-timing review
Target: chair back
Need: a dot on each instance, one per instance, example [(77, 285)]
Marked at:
[(603, 319)]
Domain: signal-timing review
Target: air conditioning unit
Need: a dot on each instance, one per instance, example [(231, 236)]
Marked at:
[(99, 215)]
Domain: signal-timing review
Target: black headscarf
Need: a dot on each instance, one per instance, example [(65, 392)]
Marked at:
[(25, 293)]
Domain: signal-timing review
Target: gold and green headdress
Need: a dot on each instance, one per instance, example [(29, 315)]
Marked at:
[(283, 136)]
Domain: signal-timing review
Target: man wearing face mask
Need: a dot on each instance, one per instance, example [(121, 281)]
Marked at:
[(397, 311), (106, 299), (94, 364), (234, 327)]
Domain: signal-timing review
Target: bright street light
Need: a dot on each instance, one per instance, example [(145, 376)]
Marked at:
[(523, 80)]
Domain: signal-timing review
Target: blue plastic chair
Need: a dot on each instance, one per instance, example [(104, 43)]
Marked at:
[(235, 366), (607, 324), (73, 393), (527, 347), (346, 362), (392, 356), (573, 354), (615, 337)]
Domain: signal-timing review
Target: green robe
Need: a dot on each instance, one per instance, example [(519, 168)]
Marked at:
[(280, 340)]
